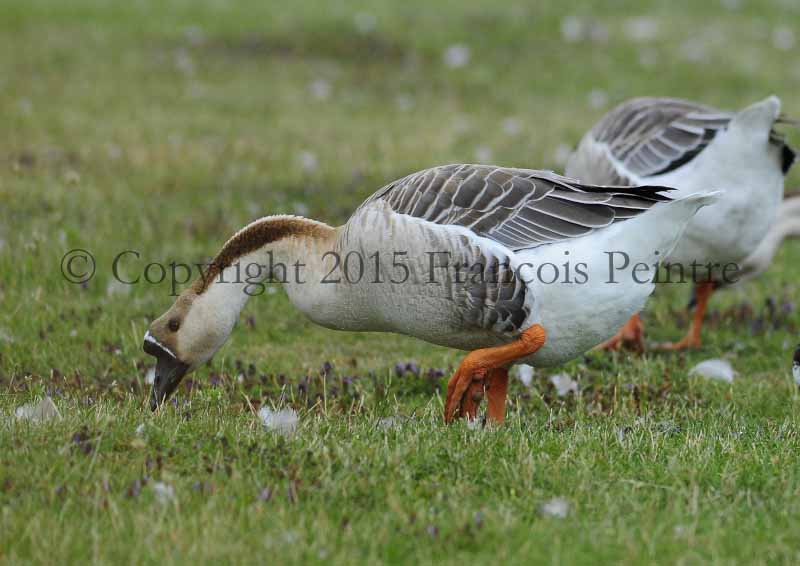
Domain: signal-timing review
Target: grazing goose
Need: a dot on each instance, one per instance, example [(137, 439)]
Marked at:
[(689, 146), (460, 255)]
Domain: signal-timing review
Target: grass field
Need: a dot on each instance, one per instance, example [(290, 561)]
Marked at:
[(163, 127)]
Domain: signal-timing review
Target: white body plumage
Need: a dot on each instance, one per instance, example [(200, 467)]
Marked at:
[(577, 314)]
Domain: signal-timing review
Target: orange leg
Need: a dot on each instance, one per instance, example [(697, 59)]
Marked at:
[(498, 387), (631, 335), (478, 366), (692, 339)]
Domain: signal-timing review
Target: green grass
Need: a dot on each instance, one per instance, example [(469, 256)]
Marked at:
[(165, 128)]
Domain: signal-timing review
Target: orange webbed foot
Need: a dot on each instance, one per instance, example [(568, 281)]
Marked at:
[(494, 386), (483, 368), (630, 336), (464, 392), (472, 400), (692, 341)]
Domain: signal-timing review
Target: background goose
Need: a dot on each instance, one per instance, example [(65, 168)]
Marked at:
[(452, 255), (689, 146), (786, 226)]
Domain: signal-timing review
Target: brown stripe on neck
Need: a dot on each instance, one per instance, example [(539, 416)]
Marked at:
[(256, 235)]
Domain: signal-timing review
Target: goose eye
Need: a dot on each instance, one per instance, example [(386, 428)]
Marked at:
[(174, 325)]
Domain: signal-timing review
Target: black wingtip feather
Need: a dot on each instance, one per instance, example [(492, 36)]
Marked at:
[(788, 157), (652, 192)]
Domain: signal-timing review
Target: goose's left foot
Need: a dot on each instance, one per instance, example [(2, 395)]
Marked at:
[(692, 340), (472, 400), (630, 336), (482, 370), (494, 386)]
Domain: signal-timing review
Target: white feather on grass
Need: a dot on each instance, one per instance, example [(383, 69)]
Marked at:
[(164, 492), (456, 56), (387, 423), (557, 507), (564, 384), (283, 421), (44, 410), (525, 374), (715, 368)]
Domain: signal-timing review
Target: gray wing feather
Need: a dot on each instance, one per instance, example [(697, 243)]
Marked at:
[(519, 208), (653, 136)]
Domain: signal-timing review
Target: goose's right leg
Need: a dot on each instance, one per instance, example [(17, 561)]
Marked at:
[(498, 388), (703, 292)]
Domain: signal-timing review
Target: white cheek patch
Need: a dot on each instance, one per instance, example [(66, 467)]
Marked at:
[(208, 323), (149, 338)]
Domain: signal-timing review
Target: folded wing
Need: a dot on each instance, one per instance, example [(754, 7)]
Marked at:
[(519, 208)]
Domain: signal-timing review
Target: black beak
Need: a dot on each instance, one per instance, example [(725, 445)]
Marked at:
[(169, 371)]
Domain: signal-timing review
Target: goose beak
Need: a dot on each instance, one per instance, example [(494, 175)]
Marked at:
[(169, 370)]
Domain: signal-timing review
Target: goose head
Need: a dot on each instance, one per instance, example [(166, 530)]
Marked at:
[(185, 337)]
